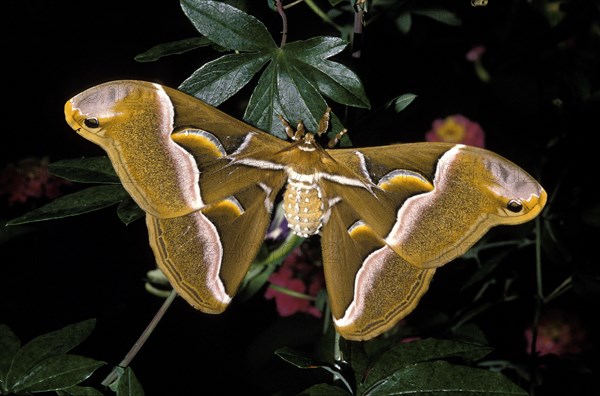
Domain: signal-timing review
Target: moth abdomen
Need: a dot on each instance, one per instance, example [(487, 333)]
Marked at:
[(304, 207)]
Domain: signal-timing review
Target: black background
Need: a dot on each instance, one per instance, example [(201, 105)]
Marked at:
[(93, 266)]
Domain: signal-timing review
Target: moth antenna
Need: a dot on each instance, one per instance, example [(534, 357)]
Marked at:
[(324, 122), (288, 128), (336, 139)]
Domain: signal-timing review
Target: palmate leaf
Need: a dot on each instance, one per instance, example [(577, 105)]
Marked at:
[(294, 82), (45, 346), (218, 80), (58, 372), (227, 26)]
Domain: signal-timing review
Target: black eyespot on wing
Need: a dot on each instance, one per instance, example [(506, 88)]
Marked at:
[(92, 122), (514, 206)]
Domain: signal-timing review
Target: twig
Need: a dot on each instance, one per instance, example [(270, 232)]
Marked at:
[(112, 376)]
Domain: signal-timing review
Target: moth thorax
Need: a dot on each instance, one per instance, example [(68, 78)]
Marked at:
[(304, 207)]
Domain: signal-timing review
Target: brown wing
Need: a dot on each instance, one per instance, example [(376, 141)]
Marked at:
[(425, 204)]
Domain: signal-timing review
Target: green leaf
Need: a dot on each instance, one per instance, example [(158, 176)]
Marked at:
[(85, 170), (47, 345), (8, 233), (314, 49), (404, 355), (324, 390), (293, 82), (440, 15), (172, 48), (129, 384), (227, 26), (444, 379), (9, 346), (404, 22), (217, 81), (128, 211), (84, 201), (264, 106), (57, 372), (332, 79), (401, 102), (282, 90), (303, 362), (292, 357), (256, 277), (79, 391)]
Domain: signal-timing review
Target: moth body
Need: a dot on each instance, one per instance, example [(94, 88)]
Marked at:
[(304, 207)]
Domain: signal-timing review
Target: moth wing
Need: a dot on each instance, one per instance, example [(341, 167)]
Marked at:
[(370, 286), (423, 205), (445, 197), (206, 254)]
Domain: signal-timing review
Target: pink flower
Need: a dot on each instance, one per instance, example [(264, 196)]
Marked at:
[(456, 129), (475, 53), (558, 333), (299, 276), (29, 178)]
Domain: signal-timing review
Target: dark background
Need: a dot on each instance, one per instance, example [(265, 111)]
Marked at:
[(538, 111)]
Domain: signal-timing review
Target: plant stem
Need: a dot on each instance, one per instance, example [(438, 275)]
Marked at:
[(539, 301), (315, 8), (284, 24), (290, 243), (112, 376), (565, 286), (291, 293), (357, 33)]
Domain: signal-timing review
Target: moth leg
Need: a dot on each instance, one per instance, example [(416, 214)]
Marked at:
[(324, 122), (294, 135), (336, 139)]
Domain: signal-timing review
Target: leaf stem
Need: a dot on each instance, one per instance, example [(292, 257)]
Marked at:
[(290, 243), (291, 293), (315, 8), (565, 286), (357, 33), (284, 24), (112, 376)]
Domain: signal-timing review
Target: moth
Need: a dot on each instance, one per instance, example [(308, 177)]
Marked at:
[(387, 216)]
